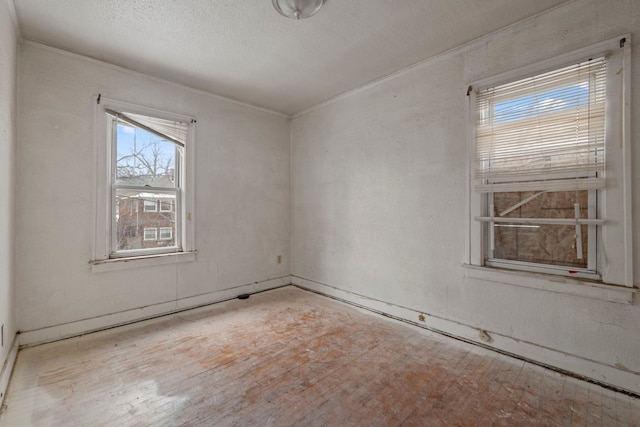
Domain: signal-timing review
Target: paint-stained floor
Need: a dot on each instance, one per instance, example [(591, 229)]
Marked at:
[(292, 358)]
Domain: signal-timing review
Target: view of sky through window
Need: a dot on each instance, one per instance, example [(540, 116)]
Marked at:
[(144, 158), (550, 101)]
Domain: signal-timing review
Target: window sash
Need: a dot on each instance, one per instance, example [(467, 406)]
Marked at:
[(115, 252), (592, 223), (577, 184), (543, 268)]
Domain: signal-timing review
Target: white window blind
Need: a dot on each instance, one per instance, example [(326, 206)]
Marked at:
[(544, 132), (170, 130)]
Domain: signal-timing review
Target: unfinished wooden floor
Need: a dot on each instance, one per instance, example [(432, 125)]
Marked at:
[(290, 357)]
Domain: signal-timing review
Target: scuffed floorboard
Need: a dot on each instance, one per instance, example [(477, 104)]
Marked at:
[(290, 357)]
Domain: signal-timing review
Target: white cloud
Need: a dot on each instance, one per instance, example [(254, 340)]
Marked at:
[(551, 104)]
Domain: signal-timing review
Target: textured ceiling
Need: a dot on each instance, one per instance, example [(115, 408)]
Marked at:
[(245, 50)]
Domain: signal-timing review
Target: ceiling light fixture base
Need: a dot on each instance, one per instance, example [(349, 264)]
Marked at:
[(297, 9)]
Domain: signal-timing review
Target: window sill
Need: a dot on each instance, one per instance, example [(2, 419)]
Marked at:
[(552, 283), (114, 264)]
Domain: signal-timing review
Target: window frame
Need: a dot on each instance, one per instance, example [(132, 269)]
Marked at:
[(103, 252), (616, 267)]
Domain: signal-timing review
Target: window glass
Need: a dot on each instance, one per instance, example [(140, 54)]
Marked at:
[(143, 158)]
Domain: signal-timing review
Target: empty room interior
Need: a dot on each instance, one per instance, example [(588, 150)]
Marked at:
[(307, 212)]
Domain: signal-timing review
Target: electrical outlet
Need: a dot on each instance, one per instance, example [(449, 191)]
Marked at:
[(279, 259)]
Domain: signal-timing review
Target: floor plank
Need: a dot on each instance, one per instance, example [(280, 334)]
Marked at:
[(290, 357)]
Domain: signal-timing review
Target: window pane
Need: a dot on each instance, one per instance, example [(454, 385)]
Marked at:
[(544, 243), (137, 228), (143, 158)]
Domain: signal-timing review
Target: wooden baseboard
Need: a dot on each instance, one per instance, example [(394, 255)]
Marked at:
[(147, 313), (7, 368), (605, 375)]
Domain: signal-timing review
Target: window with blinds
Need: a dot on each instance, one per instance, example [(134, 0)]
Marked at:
[(550, 169), (539, 159)]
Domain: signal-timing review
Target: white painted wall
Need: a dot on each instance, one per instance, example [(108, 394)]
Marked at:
[(8, 52), (379, 200), (242, 198)]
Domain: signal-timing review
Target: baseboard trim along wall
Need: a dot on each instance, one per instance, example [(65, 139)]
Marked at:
[(589, 370), (596, 372), (7, 368), (81, 327)]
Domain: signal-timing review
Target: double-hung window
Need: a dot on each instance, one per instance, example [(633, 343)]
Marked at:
[(146, 164), (550, 176), (145, 183)]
